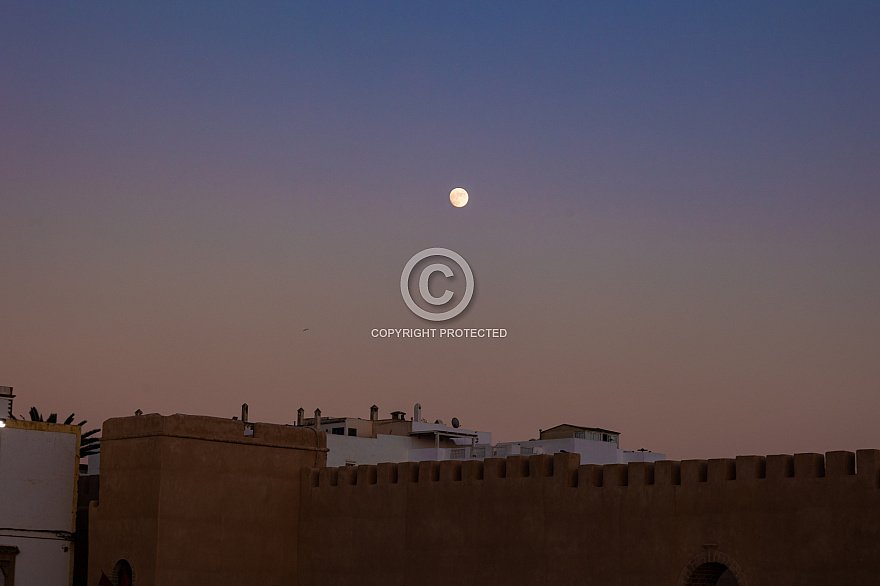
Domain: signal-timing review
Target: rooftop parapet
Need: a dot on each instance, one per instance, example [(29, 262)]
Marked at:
[(212, 429)]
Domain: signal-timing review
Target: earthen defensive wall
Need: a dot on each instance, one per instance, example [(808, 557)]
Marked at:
[(802, 519), (192, 500)]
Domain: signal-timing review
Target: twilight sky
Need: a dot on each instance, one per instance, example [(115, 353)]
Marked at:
[(674, 212)]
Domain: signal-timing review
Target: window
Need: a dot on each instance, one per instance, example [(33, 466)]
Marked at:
[(526, 451), (7, 564), (352, 432), (456, 453), (338, 431), (579, 435)]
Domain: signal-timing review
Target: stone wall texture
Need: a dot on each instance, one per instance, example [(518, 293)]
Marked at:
[(184, 504)]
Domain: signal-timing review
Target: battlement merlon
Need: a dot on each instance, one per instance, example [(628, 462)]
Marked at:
[(565, 468)]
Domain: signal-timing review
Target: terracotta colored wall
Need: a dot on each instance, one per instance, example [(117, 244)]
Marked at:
[(192, 500), (783, 520)]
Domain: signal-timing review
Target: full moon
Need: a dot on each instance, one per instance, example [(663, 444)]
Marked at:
[(458, 197)]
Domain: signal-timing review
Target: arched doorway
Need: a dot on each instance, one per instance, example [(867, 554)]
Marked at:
[(122, 574), (713, 574), (712, 568)]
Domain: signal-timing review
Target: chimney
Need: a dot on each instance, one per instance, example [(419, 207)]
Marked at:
[(300, 416), (374, 413), (417, 412), (6, 397), (318, 419), (244, 410)]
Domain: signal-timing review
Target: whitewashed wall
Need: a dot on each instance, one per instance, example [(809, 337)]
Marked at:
[(364, 450), (38, 474)]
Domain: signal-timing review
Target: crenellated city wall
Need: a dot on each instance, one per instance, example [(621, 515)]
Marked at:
[(802, 519), (197, 500)]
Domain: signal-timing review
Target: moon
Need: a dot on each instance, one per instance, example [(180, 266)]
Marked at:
[(458, 197)]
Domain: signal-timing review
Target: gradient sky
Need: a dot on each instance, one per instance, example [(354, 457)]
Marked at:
[(674, 212)]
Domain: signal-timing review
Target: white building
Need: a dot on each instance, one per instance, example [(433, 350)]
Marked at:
[(354, 441), (39, 467), (595, 446)]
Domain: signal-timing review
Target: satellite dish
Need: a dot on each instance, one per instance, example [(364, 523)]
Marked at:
[(456, 423)]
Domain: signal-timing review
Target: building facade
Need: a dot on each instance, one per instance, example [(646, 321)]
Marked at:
[(199, 500), (353, 441), (594, 446), (39, 469)]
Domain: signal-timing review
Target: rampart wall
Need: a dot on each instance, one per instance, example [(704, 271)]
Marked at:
[(198, 500), (541, 520)]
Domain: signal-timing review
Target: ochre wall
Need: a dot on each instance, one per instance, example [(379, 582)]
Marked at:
[(192, 500), (542, 520)]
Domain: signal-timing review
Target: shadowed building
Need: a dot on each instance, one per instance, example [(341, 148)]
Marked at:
[(194, 500), (199, 500)]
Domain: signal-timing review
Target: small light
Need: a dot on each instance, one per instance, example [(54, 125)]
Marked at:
[(2, 423)]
